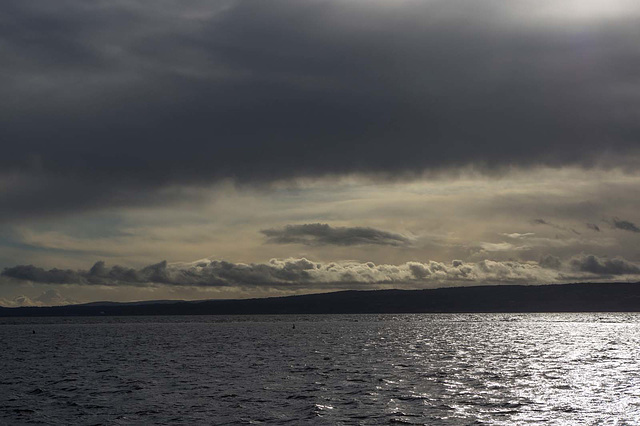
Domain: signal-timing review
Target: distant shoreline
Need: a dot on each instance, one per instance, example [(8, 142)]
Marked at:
[(581, 297)]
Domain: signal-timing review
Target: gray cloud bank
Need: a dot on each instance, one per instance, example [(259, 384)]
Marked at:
[(624, 225), (595, 265), (323, 234), (141, 95), (303, 273)]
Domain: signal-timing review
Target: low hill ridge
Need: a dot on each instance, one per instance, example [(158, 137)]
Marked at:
[(582, 297)]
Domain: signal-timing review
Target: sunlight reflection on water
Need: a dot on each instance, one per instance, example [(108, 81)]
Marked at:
[(333, 369)]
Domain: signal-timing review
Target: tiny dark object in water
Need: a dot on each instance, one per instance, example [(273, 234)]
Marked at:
[(294, 326)]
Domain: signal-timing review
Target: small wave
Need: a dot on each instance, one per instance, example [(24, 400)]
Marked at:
[(23, 410), (399, 421), (565, 409), (300, 397)]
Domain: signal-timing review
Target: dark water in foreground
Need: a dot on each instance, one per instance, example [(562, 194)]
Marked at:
[(339, 369)]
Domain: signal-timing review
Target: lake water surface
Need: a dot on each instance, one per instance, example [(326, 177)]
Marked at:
[(448, 369)]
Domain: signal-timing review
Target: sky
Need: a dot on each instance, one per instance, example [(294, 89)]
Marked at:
[(164, 149)]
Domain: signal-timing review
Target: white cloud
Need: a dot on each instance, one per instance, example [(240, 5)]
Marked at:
[(499, 247), (518, 236), (50, 297)]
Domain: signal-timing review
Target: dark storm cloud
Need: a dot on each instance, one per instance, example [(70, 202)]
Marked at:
[(319, 234), (129, 97), (40, 195), (39, 275), (625, 225), (550, 261), (98, 274), (595, 265)]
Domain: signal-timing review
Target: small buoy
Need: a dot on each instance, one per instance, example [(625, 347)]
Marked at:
[(34, 332), (294, 326)]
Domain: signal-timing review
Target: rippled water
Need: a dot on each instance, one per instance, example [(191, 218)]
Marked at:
[(336, 369)]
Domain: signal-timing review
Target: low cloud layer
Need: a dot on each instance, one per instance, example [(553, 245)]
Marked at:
[(318, 234), (302, 273), (51, 297)]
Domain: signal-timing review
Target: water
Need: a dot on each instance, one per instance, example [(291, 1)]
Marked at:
[(449, 369)]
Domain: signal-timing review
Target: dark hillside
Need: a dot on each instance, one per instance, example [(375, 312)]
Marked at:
[(587, 297)]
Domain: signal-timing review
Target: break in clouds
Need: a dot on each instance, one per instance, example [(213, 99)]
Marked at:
[(111, 103), (302, 273), (324, 234)]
